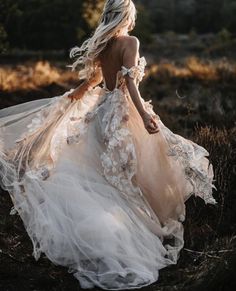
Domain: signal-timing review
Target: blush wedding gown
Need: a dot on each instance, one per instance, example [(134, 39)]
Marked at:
[(96, 192)]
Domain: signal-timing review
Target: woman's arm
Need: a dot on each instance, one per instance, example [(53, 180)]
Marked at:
[(79, 91), (130, 58)]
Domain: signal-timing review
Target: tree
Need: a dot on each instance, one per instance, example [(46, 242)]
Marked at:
[(3, 40), (42, 24), (144, 26), (207, 16), (228, 13), (92, 11)]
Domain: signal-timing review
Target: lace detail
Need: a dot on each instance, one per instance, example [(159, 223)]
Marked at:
[(65, 121), (57, 107), (135, 72), (41, 173), (190, 156), (78, 125), (119, 159), (28, 158)]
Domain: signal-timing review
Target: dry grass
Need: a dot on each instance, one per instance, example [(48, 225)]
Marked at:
[(221, 144), (33, 75), (43, 73), (195, 68)]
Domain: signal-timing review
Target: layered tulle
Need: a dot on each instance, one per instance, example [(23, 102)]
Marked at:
[(95, 191)]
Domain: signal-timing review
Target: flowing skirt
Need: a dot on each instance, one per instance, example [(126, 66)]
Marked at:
[(96, 192)]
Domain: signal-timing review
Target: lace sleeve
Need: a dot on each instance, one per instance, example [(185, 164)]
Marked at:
[(135, 71), (131, 72)]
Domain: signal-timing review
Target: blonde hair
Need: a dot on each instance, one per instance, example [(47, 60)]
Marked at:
[(116, 16)]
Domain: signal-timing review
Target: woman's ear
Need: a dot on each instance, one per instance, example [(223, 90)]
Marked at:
[(117, 33), (131, 26)]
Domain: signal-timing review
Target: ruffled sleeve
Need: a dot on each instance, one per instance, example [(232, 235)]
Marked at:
[(135, 72)]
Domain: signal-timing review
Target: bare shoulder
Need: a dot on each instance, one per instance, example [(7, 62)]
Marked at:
[(129, 46), (129, 41)]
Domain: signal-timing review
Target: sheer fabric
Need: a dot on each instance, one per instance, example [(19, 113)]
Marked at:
[(95, 191)]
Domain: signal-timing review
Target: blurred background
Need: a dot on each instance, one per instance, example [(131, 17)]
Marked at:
[(190, 47)]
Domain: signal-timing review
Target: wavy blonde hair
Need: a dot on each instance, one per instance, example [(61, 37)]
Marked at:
[(116, 16)]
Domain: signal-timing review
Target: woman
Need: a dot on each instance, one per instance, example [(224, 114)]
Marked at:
[(98, 180)]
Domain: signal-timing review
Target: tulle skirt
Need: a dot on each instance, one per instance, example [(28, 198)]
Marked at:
[(96, 192)]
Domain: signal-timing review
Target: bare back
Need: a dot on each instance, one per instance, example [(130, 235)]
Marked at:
[(111, 60)]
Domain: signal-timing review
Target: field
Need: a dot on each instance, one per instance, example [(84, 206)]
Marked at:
[(192, 82)]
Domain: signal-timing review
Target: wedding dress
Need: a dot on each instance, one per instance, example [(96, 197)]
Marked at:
[(96, 192)]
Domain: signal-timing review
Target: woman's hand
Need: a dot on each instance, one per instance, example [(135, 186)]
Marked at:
[(75, 95), (150, 123), (87, 84)]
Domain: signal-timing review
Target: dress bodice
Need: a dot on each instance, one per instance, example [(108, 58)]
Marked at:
[(135, 72)]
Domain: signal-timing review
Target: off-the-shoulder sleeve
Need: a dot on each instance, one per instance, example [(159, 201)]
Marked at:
[(135, 71), (131, 72)]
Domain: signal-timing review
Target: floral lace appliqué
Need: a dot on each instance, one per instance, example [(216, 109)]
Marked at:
[(119, 159), (135, 72), (190, 155)]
